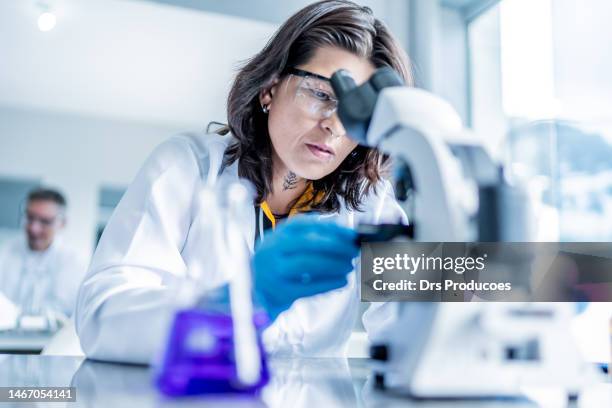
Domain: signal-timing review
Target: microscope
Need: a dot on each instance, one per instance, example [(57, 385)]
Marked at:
[(454, 191)]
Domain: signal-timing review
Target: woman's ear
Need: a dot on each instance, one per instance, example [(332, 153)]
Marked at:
[(266, 95)]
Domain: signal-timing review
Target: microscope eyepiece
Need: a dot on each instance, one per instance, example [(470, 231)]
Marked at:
[(342, 82), (356, 103)]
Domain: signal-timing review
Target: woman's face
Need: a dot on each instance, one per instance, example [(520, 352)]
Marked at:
[(307, 138)]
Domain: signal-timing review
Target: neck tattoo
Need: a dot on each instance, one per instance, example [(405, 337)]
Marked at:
[(290, 181)]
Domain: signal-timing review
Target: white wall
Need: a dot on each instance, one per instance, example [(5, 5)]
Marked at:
[(487, 116), (451, 72), (78, 155), (437, 46)]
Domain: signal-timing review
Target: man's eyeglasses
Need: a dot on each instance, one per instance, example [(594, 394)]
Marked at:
[(44, 222)]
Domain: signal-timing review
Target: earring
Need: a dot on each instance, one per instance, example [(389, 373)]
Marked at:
[(265, 109)]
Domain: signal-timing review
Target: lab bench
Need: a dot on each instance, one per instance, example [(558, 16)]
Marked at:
[(26, 342), (295, 382)]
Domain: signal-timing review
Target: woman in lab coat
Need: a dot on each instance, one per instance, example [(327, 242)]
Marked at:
[(285, 138)]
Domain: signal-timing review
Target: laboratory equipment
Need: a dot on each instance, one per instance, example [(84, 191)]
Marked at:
[(454, 191), (480, 350), (214, 345)]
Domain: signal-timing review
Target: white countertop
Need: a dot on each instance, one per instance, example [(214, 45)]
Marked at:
[(308, 383)]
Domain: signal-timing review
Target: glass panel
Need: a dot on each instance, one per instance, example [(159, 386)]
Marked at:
[(541, 97)]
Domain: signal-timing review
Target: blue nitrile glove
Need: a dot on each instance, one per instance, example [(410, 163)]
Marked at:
[(581, 307), (302, 257)]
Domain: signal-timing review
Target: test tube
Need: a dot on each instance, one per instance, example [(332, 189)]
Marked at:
[(246, 349)]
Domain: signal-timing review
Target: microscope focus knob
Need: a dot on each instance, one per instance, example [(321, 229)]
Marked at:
[(379, 352)]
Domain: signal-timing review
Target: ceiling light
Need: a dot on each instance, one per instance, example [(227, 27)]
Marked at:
[(46, 21)]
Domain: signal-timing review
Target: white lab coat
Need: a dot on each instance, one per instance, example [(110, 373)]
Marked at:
[(155, 238), (48, 279)]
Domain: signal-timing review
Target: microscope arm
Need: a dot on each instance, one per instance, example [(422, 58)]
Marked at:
[(414, 127)]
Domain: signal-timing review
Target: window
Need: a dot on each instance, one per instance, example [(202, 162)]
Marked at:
[(541, 97), (108, 199), (13, 193)]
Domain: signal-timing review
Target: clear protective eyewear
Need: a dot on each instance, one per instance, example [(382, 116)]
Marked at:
[(44, 222), (28, 218), (314, 94)]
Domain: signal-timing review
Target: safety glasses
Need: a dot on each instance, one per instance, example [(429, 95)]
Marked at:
[(314, 94), (29, 218)]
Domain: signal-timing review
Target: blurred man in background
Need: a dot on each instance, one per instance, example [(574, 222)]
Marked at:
[(38, 273)]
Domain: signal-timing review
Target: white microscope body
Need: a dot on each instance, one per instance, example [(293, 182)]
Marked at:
[(450, 350), (473, 350)]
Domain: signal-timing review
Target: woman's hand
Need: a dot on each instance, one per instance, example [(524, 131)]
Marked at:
[(302, 257)]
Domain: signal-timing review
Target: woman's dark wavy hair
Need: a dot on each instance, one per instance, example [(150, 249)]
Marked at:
[(337, 23)]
